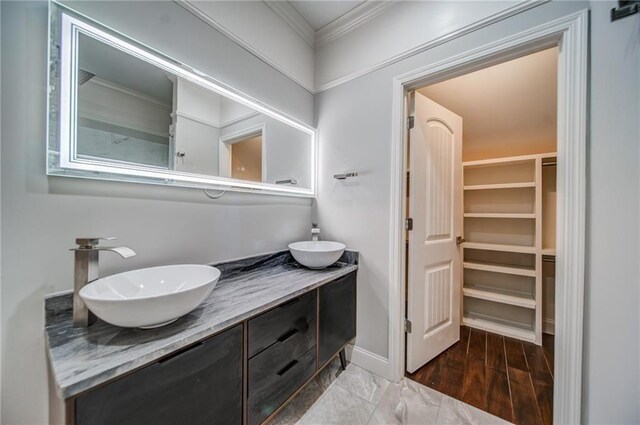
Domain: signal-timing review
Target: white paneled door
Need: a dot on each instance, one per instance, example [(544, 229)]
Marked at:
[(435, 206)]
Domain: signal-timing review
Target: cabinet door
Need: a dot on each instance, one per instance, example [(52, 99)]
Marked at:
[(337, 316), (200, 385)]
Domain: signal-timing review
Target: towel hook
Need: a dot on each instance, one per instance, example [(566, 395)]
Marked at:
[(345, 175)]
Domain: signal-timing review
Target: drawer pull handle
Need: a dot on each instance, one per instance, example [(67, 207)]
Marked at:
[(288, 335), (287, 367)]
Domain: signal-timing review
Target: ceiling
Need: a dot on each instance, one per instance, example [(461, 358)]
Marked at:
[(508, 109), (318, 13)]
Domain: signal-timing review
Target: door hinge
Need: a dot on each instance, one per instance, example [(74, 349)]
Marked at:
[(407, 325), (410, 122), (408, 224)]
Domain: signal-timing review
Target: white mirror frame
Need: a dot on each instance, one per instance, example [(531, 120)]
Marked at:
[(71, 165)]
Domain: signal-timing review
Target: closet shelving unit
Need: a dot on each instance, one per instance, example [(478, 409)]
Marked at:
[(509, 226)]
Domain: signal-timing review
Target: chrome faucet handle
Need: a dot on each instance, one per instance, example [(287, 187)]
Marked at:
[(91, 242)]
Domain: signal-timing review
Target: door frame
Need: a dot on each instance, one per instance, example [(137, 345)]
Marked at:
[(570, 34), (224, 148)]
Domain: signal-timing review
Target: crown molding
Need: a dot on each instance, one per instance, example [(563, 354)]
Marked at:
[(192, 7), (291, 16), (351, 20), (504, 14)]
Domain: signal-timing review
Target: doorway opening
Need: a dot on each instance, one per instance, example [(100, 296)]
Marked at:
[(242, 155), (570, 34), (480, 260)]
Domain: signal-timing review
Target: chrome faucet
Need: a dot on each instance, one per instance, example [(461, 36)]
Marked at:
[(86, 271), (315, 232)]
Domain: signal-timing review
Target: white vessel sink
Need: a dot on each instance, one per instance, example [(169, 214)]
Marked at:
[(316, 254), (149, 298)]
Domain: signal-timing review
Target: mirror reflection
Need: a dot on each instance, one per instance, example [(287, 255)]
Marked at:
[(124, 106), (132, 113)]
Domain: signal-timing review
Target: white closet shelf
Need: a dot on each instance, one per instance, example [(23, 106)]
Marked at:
[(499, 326), (500, 215), (500, 268), (500, 186), (506, 201), (500, 247), (499, 295), (507, 160)]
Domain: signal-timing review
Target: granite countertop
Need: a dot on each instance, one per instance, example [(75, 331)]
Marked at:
[(82, 358)]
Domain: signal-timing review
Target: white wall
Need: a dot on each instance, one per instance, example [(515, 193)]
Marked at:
[(197, 113), (42, 215), (102, 143), (255, 26), (612, 304), (196, 101), (109, 103), (231, 111), (354, 121), (393, 35)]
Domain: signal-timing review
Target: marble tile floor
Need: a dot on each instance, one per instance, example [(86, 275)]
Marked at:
[(357, 397)]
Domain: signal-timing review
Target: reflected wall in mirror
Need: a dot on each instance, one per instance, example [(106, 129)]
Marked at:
[(121, 111), (124, 107)]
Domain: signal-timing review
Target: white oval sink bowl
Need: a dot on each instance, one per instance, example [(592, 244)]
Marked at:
[(316, 254), (149, 298)]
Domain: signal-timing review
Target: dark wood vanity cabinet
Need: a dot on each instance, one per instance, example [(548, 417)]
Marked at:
[(199, 385), (337, 316), (207, 383)]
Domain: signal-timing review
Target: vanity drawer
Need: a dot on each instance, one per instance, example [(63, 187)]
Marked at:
[(265, 366), (272, 387), (199, 385), (277, 323)]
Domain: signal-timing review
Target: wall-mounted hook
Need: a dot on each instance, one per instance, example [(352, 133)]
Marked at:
[(625, 8), (345, 175)]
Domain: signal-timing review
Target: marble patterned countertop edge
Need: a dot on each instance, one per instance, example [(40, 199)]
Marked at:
[(83, 358)]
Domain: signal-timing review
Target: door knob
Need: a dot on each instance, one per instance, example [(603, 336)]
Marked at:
[(460, 240)]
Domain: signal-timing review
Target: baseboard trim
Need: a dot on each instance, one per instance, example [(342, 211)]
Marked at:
[(549, 326), (367, 360)]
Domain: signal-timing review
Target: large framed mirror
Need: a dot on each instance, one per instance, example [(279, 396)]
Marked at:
[(119, 110)]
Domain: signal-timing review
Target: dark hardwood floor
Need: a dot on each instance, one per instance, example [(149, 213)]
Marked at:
[(503, 376)]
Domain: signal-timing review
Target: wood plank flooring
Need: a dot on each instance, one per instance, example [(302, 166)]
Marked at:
[(508, 378)]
